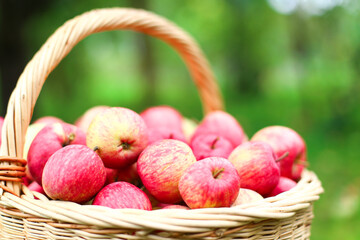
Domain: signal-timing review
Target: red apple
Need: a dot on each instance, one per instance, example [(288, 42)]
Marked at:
[(211, 145), (162, 116), (175, 206), (1, 124), (256, 164), (34, 186), (73, 173), (84, 121), (111, 175), (160, 167), (160, 133), (118, 135), (50, 139), (211, 182), (129, 174), (154, 203), (285, 141), (48, 120), (188, 128), (284, 185), (122, 195), (246, 196), (31, 133), (26, 181), (221, 124)]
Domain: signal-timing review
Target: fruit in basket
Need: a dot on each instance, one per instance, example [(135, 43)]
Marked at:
[(129, 174), (246, 196), (1, 124), (188, 128), (160, 133), (211, 145), (211, 182), (85, 120), (73, 173), (122, 195), (26, 180), (175, 206), (223, 125), (48, 120), (118, 135), (163, 122), (284, 141), (257, 167), (111, 175), (34, 186), (284, 185), (50, 139), (160, 167), (162, 116), (31, 133)]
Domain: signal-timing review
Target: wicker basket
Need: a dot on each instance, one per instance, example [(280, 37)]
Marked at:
[(30, 215)]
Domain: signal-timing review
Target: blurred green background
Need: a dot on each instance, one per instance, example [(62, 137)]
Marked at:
[(285, 62)]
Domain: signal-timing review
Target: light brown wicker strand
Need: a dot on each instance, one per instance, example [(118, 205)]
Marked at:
[(23, 99)]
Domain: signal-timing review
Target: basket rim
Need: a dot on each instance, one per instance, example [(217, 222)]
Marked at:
[(282, 206)]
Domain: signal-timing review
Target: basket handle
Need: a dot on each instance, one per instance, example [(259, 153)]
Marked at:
[(27, 90)]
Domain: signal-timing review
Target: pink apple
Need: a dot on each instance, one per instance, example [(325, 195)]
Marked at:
[(118, 135), (129, 174), (122, 195), (31, 133), (34, 186), (160, 133), (210, 145), (50, 139), (188, 128), (154, 203), (160, 167), (84, 121), (111, 175), (285, 141), (222, 124), (246, 196), (284, 185), (73, 173), (162, 116), (175, 206), (28, 174), (26, 181), (211, 182), (256, 164), (48, 120)]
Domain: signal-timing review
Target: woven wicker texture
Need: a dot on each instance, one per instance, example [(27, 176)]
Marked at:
[(30, 215)]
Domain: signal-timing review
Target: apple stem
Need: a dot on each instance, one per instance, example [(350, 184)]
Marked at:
[(69, 139), (124, 145), (96, 148), (214, 142), (217, 173), (282, 157)]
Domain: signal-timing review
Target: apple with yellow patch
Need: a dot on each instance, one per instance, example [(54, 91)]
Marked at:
[(118, 135), (160, 167)]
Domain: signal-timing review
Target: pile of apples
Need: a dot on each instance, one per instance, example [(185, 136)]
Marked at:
[(115, 157)]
